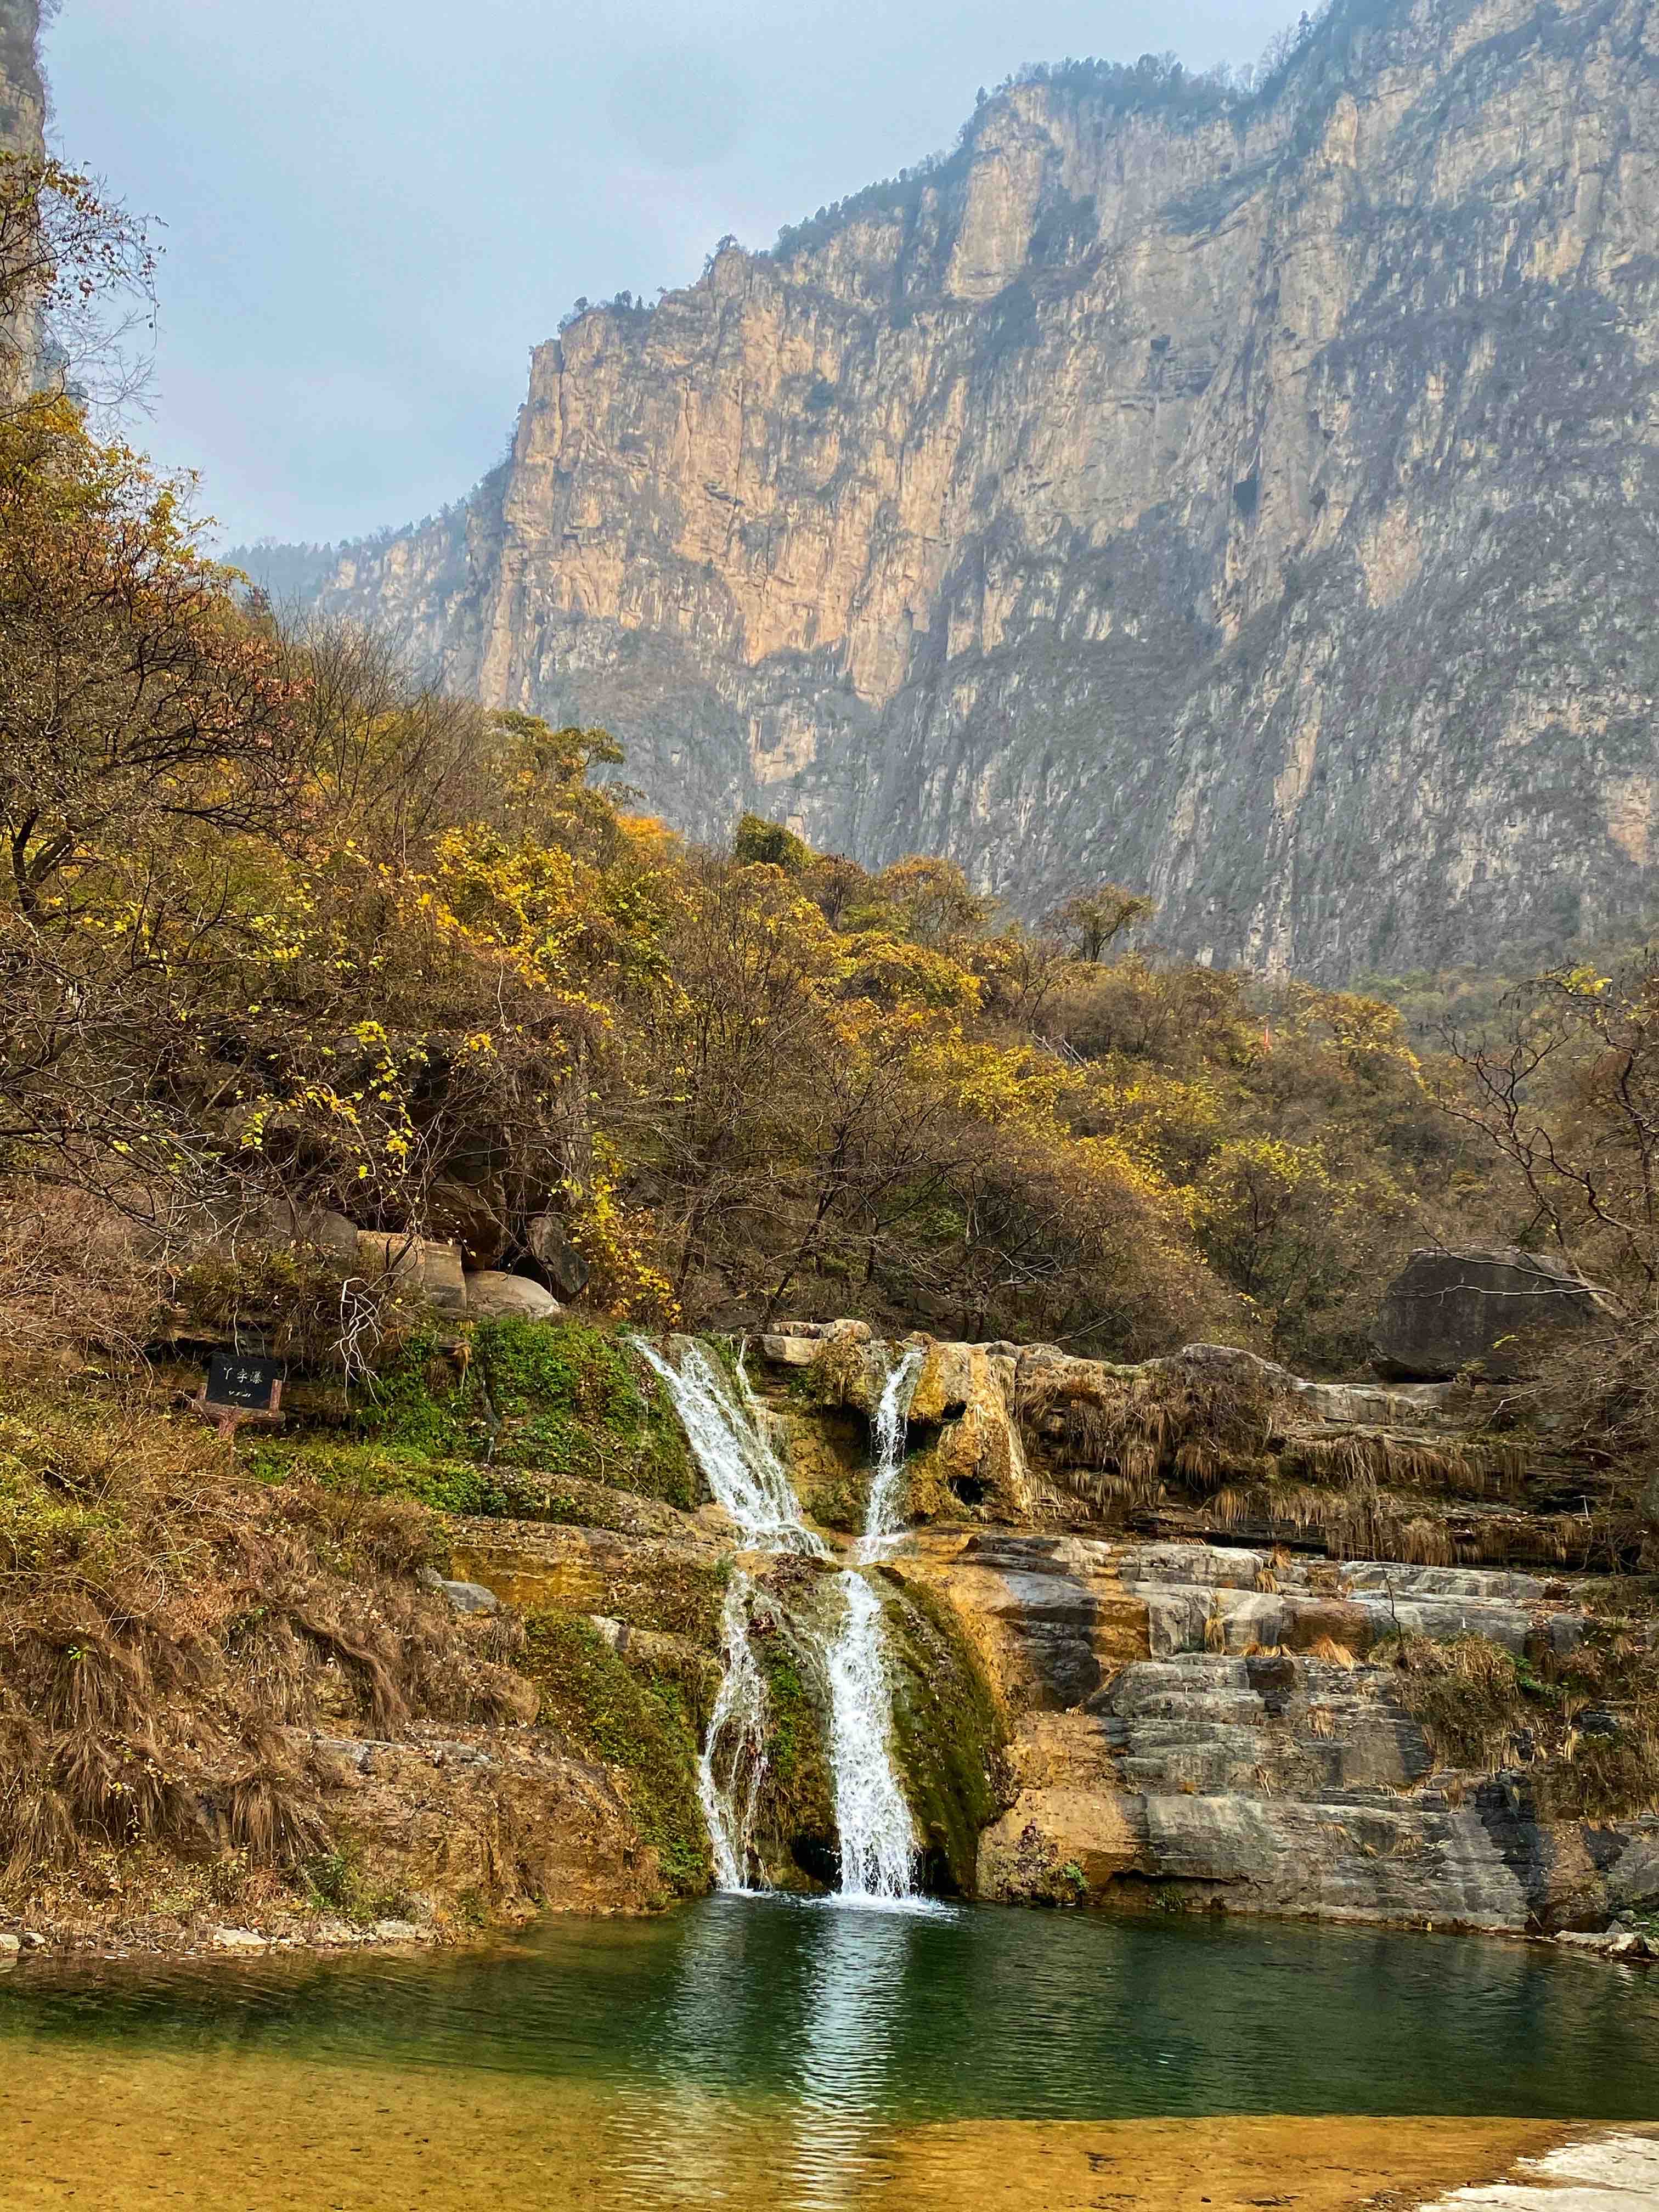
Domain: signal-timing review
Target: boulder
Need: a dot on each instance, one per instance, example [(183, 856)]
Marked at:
[(472, 1215), (492, 1295), (433, 1268), (1447, 1310), (464, 1597), (562, 1265), (282, 1222)]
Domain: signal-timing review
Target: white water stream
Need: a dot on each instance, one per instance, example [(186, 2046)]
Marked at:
[(743, 1471), (878, 1835), (733, 1762), (881, 1524), (729, 1442)]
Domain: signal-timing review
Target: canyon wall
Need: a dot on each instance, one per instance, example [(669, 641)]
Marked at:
[(1251, 501)]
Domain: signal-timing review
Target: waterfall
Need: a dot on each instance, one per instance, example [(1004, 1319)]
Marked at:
[(743, 1471), (881, 1522), (878, 1835), (734, 1761), (729, 1442)]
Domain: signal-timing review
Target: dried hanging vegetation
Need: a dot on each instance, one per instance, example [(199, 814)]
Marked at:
[(1223, 1432), (1115, 1435), (163, 1620), (1582, 1727)]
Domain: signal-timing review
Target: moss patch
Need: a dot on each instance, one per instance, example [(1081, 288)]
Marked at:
[(522, 1420), (640, 1720), (796, 1814), (468, 1487), (1583, 1726), (425, 1398), (572, 1401), (827, 1455), (949, 1734)]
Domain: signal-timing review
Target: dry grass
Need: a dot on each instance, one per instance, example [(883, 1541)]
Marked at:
[(1116, 1437), (1369, 1458), (71, 1280), (164, 1618), (1481, 1709), (1330, 1653)]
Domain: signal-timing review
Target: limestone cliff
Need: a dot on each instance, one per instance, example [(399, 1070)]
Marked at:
[(23, 94), (1249, 499), (22, 132)]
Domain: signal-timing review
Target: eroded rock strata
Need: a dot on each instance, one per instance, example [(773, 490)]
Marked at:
[(1246, 500), (1149, 1684)]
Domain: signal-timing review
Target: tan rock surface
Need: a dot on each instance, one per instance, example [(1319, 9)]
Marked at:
[(1245, 506)]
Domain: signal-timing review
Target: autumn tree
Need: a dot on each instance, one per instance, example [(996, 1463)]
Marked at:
[(1090, 922)]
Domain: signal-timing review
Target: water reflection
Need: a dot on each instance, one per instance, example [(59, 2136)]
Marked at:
[(834, 2023), (856, 1996)]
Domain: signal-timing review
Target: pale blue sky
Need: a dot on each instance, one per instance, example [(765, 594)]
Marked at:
[(373, 209)]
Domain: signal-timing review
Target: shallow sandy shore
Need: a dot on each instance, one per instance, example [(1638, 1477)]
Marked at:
[(104, 2126)]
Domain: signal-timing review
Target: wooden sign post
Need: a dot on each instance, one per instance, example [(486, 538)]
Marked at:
[(241, 1387)]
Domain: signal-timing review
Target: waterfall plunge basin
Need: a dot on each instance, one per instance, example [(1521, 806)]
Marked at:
[(748, 2053)]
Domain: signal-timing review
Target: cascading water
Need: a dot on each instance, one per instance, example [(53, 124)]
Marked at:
[(743, 1471), (728, 1440), (878, 1835), (882, 1525), (749, 1480), (733, 1762)]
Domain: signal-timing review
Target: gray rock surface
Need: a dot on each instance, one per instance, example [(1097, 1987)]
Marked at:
[(432, 1266), (1613, 2171), (1231, 1755), (562, 1266), (1447, 1310), (492, 1295), (464, 1596)]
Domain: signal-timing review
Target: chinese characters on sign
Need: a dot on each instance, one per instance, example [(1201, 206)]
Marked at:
[(250, 1380), (240, 1386)]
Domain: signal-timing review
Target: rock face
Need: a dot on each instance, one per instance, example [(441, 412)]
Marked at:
[(1174, 1723), (22, 132), (1445, 1310), (1241, 498)]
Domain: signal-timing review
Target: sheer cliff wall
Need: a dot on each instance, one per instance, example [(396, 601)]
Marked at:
[(1253, 503)]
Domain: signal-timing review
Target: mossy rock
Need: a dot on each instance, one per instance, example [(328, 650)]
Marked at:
[(470, 1488), (563, 1401), (572, 1401), (424, 1398), (795, 1815), (827, 1455), (949, 1734), (641, 1720)]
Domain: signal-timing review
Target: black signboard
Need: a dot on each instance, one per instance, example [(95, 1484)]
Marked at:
[(248, 1379)]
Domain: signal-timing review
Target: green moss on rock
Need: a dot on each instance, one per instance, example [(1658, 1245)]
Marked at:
[(526, 1419), (572, 1401), (425, 1398), (796, 1814), (948, 1732), (640, 1720)]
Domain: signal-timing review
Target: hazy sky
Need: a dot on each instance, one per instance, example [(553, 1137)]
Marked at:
[(374, 208)]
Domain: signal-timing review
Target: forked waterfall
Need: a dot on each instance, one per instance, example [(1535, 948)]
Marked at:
[(727, 1435)]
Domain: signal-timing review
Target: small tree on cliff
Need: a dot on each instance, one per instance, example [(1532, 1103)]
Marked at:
[(1090, 922)]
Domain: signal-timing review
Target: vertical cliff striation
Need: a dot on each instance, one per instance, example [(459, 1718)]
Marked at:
[(22, 94), (1252, 500)]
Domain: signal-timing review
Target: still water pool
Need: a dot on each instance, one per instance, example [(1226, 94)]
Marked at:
[(756, 2052)]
